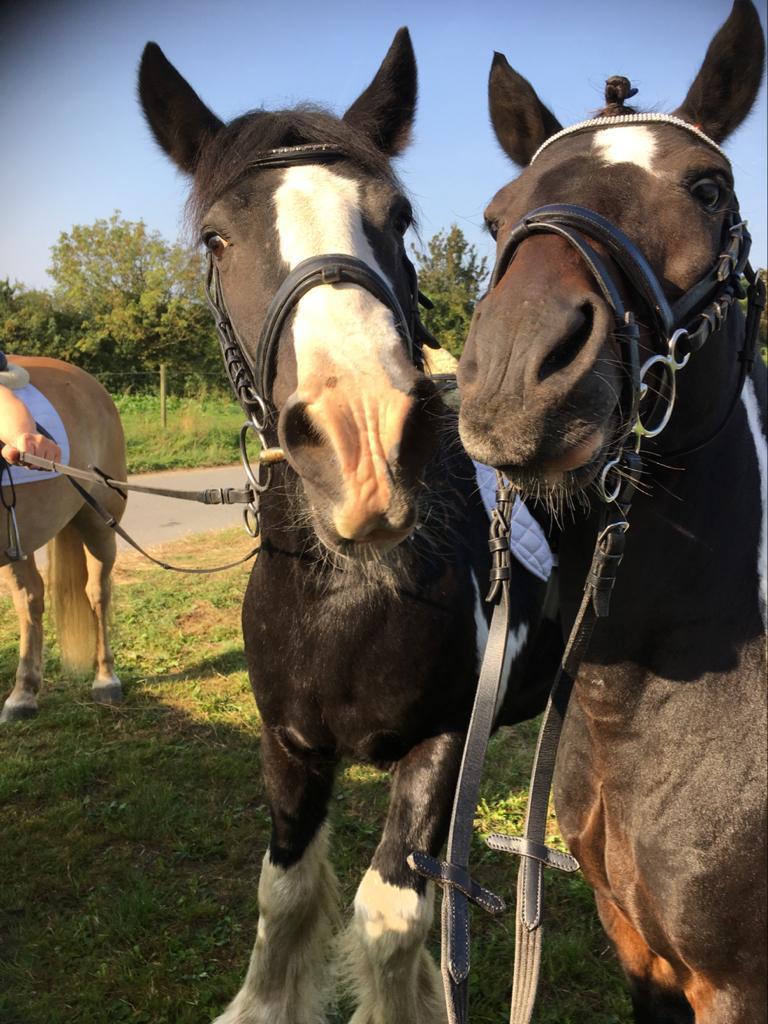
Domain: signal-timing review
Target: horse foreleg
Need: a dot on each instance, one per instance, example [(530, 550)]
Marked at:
[(27, 590), (100, 547), (394, 977), (287, 977), (657, 997)]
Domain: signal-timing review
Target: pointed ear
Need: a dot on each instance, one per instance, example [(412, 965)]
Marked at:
[(178, 118), (385, 111), (519, 118), (728, 81)]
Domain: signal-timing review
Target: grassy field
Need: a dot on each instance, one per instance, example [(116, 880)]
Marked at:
[(201, 431), (132, 837)]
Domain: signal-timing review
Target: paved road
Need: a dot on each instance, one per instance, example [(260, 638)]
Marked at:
[(151, 520)]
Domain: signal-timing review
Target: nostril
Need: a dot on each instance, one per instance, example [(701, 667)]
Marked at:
[(299, 430), (565, 351)]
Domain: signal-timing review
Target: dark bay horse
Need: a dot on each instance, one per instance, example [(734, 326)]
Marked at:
[(363, 622), (660, 780), (81, 547)]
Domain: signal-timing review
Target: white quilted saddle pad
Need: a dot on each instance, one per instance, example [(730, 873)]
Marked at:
[(527, 540), (43, 413)]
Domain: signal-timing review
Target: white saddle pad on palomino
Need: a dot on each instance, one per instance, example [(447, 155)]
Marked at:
[(527, 540), (43, 413)]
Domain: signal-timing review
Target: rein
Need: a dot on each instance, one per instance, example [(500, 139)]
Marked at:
[(680, 330), (209, 496)]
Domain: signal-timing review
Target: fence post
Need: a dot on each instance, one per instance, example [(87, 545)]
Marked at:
[(163, 408)]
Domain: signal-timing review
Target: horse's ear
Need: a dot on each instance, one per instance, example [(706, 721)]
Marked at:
[(728, 81), (385, 110), (519, 118), (178, 118)]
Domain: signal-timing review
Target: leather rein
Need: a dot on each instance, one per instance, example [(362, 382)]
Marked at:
[(680, 331)]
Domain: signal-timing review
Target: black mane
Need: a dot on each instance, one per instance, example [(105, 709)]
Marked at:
[(226, 157)]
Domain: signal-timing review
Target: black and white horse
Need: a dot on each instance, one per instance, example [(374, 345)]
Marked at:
[(362, 607), (660, 784)]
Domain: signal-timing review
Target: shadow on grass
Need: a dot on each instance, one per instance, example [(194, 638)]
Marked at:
[(132, 841)]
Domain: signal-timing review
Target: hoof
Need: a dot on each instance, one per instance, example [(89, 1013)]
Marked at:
[(107, 691), (13, 712)]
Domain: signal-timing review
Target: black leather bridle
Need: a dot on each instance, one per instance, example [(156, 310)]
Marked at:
[(680, 329), (252, 377)]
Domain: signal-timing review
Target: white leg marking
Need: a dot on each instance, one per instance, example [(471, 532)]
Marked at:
[(626, 145), (287, 977), (394, 978), (749, 398)]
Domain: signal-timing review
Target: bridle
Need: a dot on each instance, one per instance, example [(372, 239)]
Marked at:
[(252, 377), (679, 331)]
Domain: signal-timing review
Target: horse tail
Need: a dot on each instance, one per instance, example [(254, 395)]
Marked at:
[(72, 613)]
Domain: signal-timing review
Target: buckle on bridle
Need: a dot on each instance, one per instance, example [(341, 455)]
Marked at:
[(333, 274)]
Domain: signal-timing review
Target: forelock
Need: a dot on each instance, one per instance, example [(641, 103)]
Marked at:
[(226, 158)]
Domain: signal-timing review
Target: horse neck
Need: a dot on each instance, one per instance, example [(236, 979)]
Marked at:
[(706, 388), (694, 523)]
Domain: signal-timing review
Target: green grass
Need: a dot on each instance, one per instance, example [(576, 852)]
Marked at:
[(201, 431), (132, 837)]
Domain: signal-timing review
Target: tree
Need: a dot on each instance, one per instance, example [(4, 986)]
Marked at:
[(30, 323), (452, 275), (138, 300)]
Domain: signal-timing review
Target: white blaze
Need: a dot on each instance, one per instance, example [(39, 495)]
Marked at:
[(318, 212), (626, 144)]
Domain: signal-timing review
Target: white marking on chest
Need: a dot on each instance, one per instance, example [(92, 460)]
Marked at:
[(515, 643), (626, 145), (749, 398), (318, 212)]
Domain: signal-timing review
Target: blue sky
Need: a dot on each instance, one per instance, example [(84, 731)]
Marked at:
[(75, 146)]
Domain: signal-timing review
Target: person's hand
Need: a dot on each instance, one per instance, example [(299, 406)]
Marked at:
[(31, 444)]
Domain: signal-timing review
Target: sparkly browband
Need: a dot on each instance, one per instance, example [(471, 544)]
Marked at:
[(630, 119)]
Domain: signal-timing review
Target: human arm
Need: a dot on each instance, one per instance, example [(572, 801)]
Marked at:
[(19, 431)]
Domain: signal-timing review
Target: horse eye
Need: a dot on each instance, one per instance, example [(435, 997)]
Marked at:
[(492, 226), (402, 218), (708, 192), (215, 243)]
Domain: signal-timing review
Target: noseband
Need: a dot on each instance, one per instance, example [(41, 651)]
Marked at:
[(679, 329), (252, 377)]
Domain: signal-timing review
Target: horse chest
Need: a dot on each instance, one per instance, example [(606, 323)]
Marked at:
[(368, 677)]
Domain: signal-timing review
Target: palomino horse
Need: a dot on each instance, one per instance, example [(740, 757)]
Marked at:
[(660, 781), (362, 607), (82, 547)]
